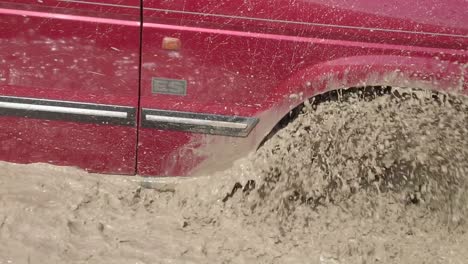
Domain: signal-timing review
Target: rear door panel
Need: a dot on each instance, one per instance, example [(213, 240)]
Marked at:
[(69, 83)]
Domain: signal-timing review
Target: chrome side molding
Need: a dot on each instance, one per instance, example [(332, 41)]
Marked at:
[(233, 126), (67, 111)]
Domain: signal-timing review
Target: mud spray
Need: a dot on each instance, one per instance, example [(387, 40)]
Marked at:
[(362, 178)]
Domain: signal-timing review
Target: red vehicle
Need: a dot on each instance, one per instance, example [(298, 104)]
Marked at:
[(172, 87)]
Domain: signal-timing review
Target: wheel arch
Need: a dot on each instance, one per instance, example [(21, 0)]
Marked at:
[(363, 71), (427, 73)]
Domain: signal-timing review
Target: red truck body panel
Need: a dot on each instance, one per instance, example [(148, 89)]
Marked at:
[(69, 52), (244, 65)]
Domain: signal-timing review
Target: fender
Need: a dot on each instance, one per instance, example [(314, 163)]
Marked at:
[(359, 71), (430, 73)]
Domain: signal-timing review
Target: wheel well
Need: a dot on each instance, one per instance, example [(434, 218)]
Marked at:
[(367, 93), (364, 93)]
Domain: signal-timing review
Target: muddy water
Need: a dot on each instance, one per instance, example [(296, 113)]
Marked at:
[(349, 181)]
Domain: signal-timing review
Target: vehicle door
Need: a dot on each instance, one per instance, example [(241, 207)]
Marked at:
[(69, 76)]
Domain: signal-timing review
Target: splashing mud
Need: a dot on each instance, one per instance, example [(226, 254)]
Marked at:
[(364, 178), (408, 144)]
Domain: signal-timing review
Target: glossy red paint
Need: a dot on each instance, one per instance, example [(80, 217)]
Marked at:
[(72, 52), (255, 59)]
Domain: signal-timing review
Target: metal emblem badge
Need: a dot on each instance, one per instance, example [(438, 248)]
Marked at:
[(169, 86)]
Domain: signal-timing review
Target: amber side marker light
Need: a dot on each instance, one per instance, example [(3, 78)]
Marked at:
[(169, 43)]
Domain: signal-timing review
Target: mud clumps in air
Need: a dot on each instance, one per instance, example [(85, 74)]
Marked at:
[(408, 148)]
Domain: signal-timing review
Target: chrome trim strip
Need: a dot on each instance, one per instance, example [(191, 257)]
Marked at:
[(63, 110), (198, 122), (234, 126), (272, 20), (67, 111)]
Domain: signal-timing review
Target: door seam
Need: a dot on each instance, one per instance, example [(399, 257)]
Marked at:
[(138, 110)]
